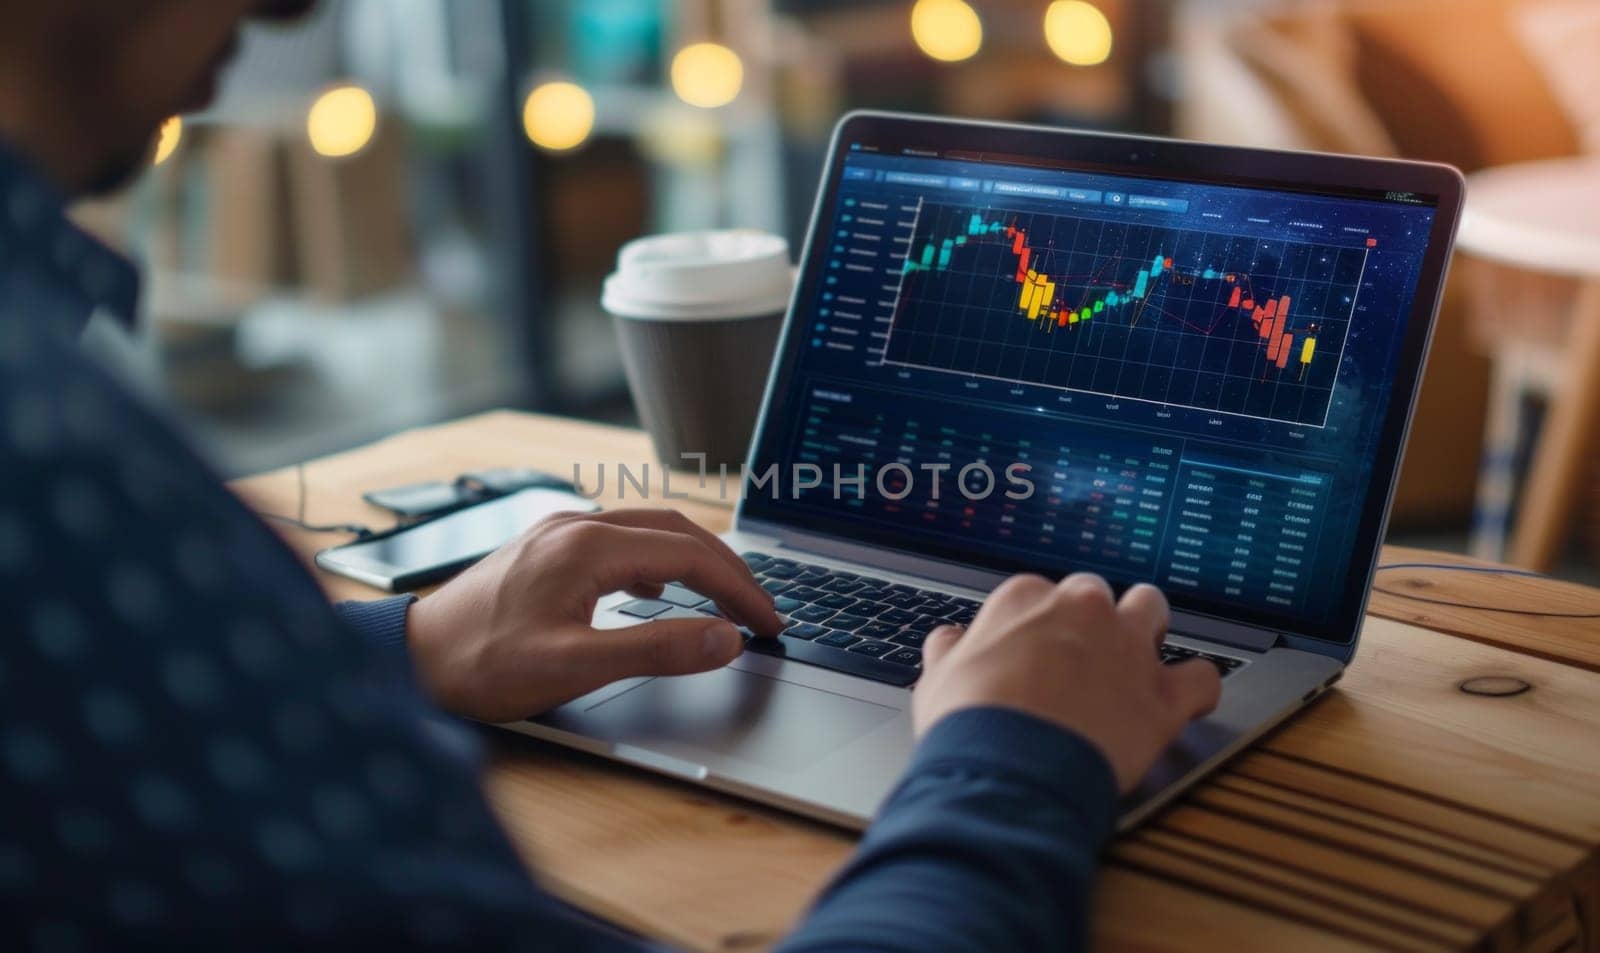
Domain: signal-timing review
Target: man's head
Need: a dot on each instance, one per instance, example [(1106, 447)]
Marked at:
[(86, 84)]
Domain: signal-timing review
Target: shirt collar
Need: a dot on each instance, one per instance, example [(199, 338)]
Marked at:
[(36, 236)]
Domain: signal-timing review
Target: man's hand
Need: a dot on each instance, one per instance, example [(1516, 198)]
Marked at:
[(1068, 654), (510, 637)]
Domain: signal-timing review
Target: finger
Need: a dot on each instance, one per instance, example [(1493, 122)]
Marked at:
[(1086, 598), (673, 521), (939, 643), (1193, 688), (667, 520), (622, 557), (664, 647), (1016, 596), (1143, 610), (1087, 586), (646, 590)]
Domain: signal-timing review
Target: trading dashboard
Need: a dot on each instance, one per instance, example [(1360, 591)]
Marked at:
[(1191, 376)]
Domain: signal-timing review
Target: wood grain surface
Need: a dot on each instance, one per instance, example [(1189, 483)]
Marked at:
[(1397, 813)]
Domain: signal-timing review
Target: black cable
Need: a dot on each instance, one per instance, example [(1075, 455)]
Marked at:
[(1456, 567), (1491, 570), (299, 521)]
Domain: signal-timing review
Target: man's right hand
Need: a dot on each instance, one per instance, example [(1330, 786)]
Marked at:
[(1069, 654)]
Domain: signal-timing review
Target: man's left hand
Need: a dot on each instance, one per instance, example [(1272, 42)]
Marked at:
[(511, 637)]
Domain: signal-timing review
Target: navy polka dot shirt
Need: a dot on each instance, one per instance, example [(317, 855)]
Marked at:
[(197, 751)]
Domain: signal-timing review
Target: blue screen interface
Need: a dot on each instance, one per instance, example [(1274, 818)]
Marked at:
[(1190, 378)]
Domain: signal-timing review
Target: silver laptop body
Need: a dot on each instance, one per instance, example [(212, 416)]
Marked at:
[(830, 744)]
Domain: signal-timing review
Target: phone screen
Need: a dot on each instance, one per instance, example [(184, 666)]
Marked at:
[(435, 549)]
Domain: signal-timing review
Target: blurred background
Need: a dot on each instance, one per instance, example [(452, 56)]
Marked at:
[(400, 211)]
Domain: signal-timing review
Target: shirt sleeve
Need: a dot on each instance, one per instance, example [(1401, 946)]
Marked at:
[(380, 623), (989, 843)]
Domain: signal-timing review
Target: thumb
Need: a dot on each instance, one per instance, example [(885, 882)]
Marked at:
[(662, 647), (1193, 688), (939, 643)]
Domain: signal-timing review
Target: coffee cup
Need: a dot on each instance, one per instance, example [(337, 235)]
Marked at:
[(697, 317)]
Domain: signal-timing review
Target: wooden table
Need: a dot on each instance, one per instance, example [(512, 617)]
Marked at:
[(1397, 813), (1543, 219)]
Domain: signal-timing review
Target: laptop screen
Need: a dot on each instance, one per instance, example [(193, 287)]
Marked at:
[(1020, 366)]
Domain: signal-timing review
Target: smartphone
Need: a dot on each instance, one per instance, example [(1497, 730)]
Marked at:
[(434, 498), (415, 556)]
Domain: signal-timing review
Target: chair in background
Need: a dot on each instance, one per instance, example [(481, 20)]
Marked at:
[(1532, 264), (1445, 80)]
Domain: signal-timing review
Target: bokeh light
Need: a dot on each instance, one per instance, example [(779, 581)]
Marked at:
[(707, 75), (342, 122), (947, 30), (167, 141), (558, 116), (1077, 32)]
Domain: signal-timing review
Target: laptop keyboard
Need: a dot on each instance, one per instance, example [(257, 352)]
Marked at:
[(852, 623)]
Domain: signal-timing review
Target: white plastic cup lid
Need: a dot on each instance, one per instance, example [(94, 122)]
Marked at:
[(700, 276)]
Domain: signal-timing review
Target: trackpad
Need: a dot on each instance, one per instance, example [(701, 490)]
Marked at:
[(727, 713)]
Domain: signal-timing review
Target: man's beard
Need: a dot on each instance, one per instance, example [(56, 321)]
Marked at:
[(115, 174)]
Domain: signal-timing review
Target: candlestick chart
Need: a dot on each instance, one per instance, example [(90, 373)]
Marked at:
[(1212, 321)]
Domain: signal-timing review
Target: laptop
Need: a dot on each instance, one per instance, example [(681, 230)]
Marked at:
[(1012, 349)]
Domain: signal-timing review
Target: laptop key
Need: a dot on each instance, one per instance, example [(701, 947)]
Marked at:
[(897, 616), (812, 614), (755, 560), (644, 608), (904, 657), (829, 657), (835, 601), (805, 630), (681, 596), (874, 649), (786, 604), (775, 571), (843, 586), (878, 630), (848, 623), (872, 595), (775, 586), (910, 638), (838, 640)]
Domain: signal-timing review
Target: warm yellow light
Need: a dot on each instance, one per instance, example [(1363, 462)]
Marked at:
[(167, 141), (342, 122), (707, 75), (558, 116), (1078, 32), (947, 30)]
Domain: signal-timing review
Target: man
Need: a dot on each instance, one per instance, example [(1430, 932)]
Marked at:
[(196, 750)]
